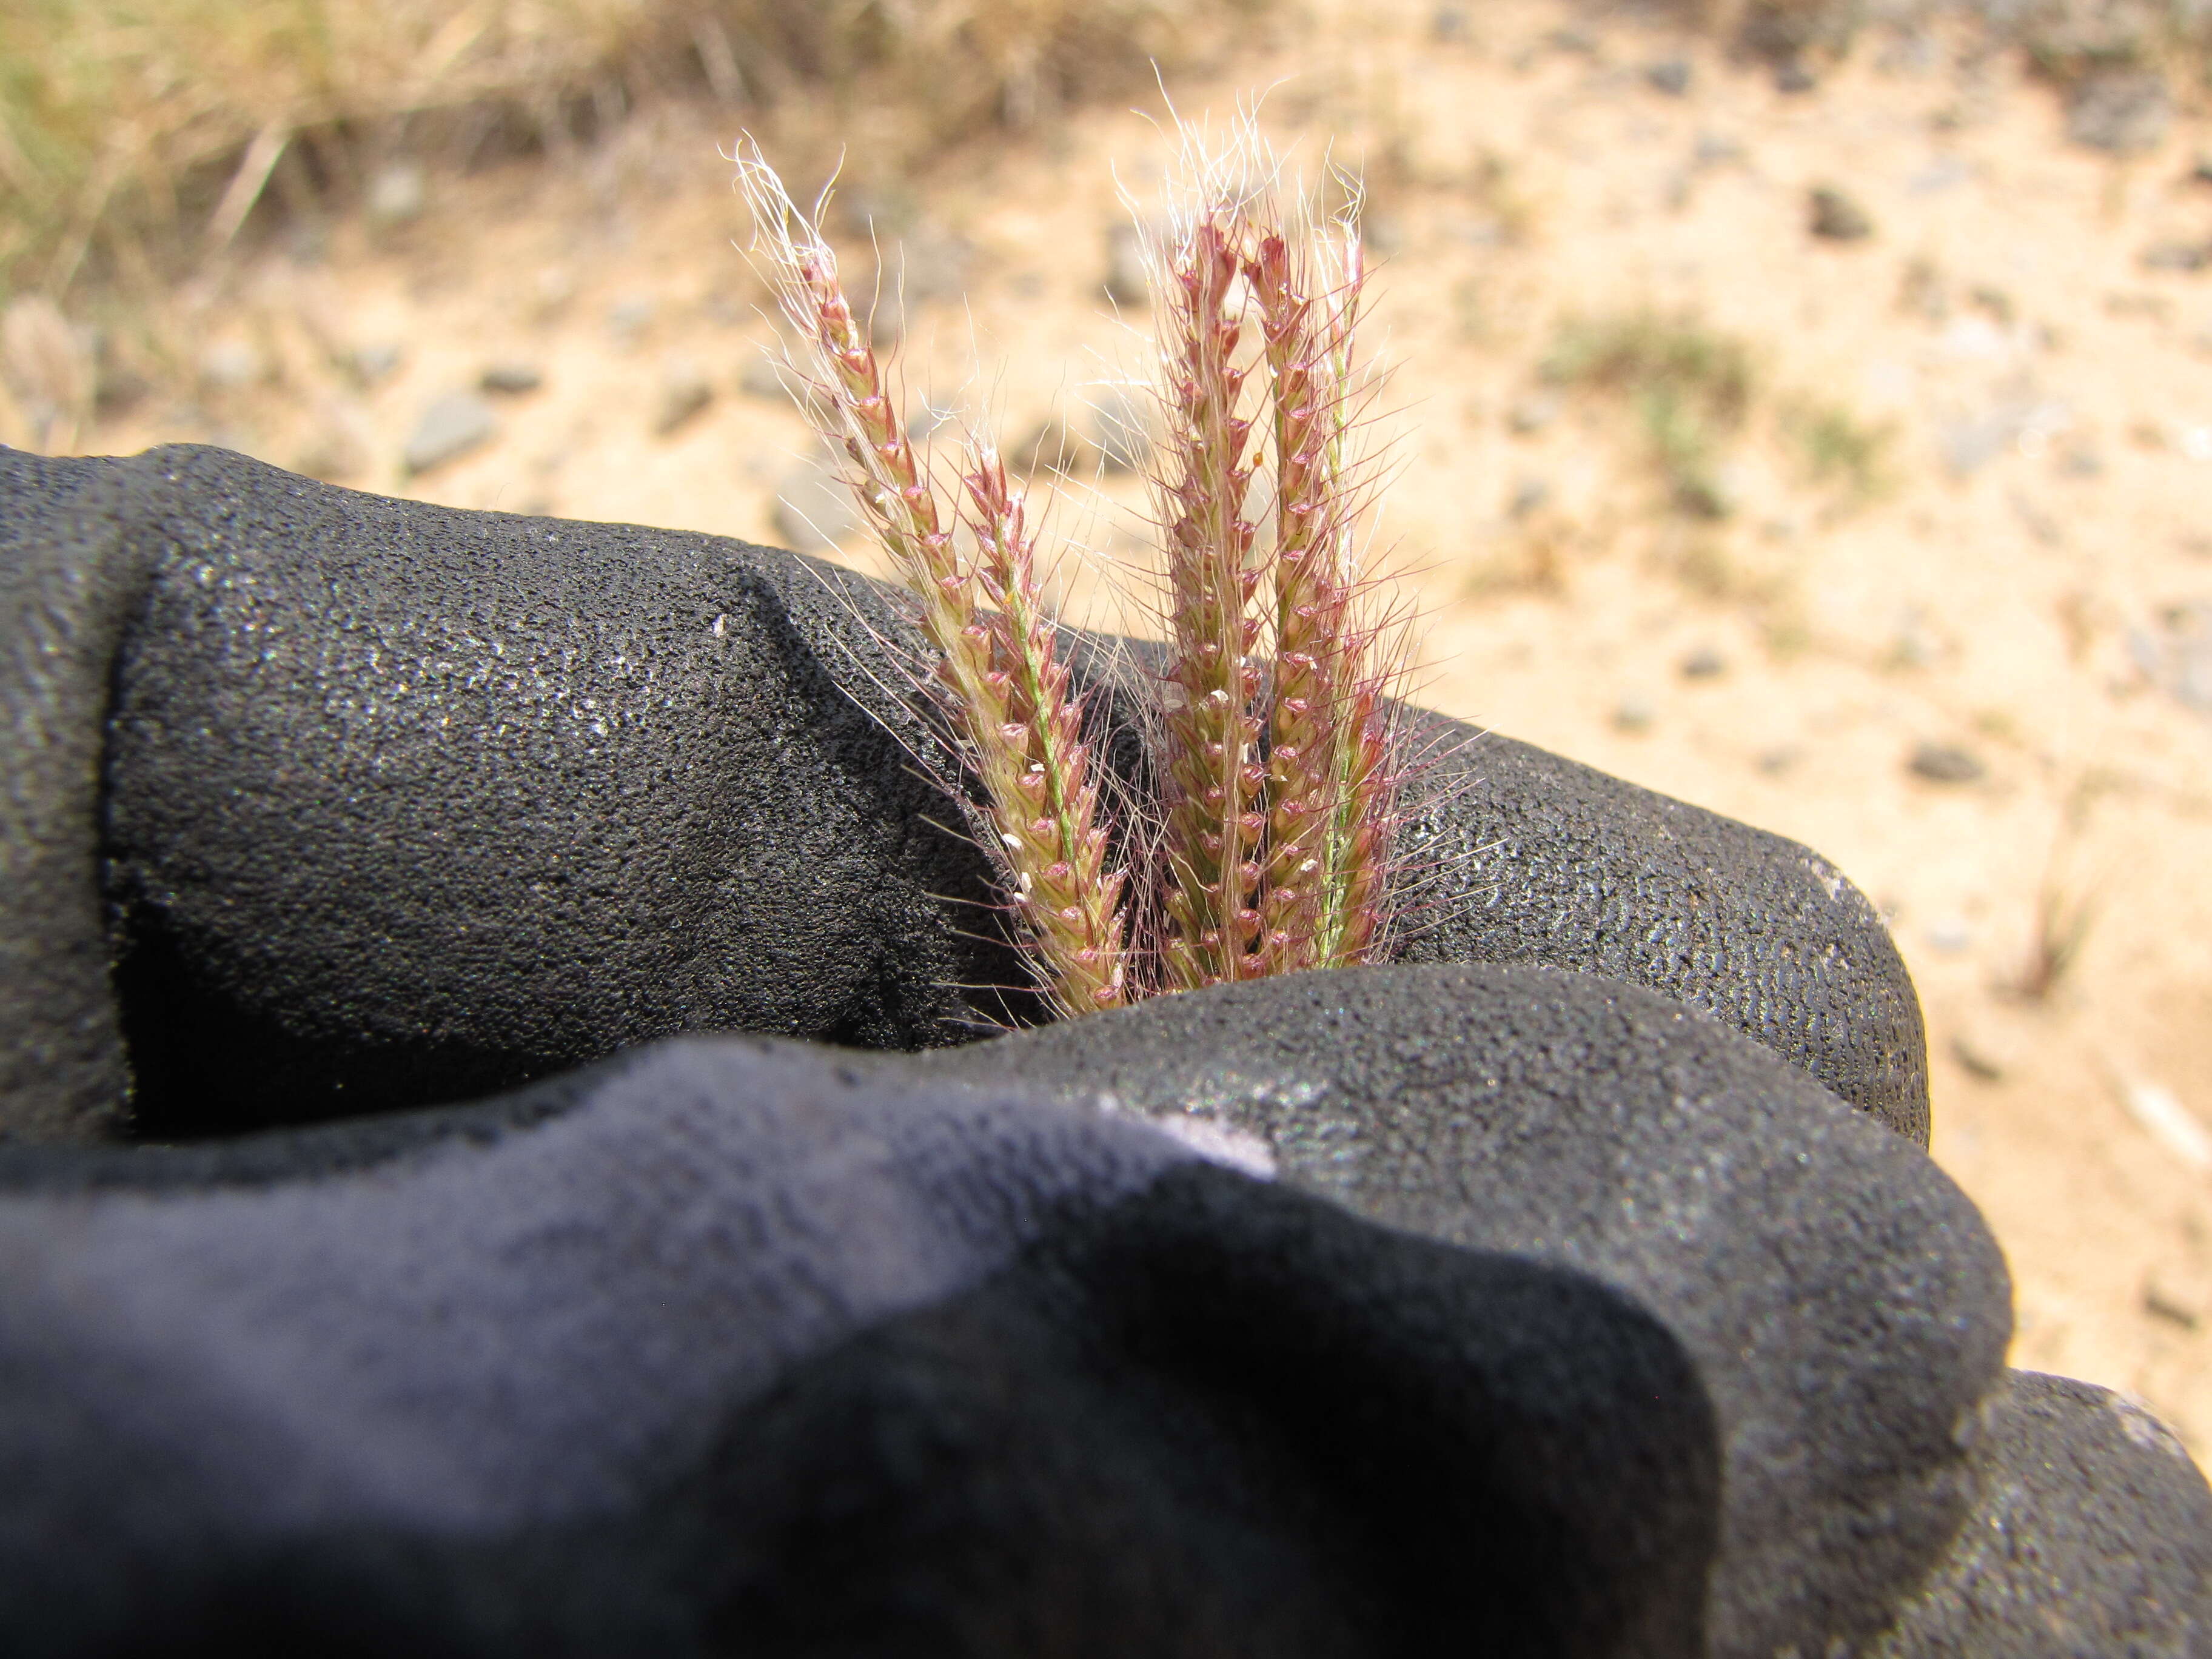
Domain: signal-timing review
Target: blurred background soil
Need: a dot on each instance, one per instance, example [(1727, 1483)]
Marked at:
[(1802, 408)]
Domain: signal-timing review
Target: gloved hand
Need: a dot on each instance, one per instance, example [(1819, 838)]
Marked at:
[(1560, 1301)]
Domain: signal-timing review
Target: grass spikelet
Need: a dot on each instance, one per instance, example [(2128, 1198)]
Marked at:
[(997, 681), (1216, 817), (1038, 775), (1327, 783)]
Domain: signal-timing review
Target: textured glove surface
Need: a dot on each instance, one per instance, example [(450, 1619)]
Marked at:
[(1581, 1291)]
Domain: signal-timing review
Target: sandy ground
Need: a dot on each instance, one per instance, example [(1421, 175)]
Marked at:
[(2023, 587)]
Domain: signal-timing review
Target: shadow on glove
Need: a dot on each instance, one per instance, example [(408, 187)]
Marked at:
[(740, 1348)]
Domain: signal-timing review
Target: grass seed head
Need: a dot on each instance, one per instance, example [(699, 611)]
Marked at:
[(1271, 849)]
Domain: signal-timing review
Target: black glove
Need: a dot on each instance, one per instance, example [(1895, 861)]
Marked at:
[(1574, 1322)]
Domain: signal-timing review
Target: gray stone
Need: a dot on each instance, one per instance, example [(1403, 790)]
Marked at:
[(1715, 150), (1945, 763), (1635, 714), (1703, 662), (1834, 215), (2176, 256), (1668, 75), (1792, 79), (452, 427), (2120, 111), (511, 377)]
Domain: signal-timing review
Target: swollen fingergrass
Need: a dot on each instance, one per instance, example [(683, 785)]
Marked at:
[(1216, 816), (994, 672), (1277, 812)]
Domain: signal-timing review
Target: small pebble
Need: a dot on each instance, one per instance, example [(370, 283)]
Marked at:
[(1773, 763), (2164, 1297), (1792, 79), (2176, 256), (1945, 763), (1715, 150), (1975, 1062), (1834, 216), (1529, 494), (1703, 663), (511, 377), (450, 428), (1669, 75), (2120, 111), (1449, 25), (1634, 713)]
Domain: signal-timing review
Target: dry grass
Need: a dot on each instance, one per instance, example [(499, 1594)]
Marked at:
[(135, 136)]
